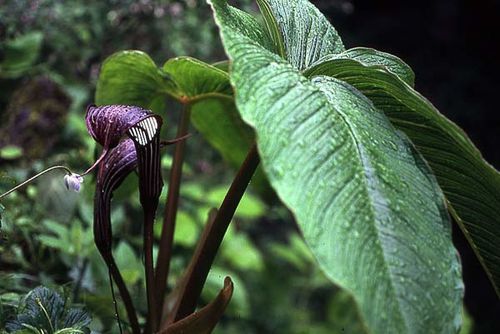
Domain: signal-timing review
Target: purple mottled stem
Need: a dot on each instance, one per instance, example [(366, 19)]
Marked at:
[(167, 234), (206, 249)]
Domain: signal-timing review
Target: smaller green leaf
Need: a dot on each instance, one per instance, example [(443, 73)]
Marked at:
[(58, 229), (186, 230), (467, 323), (250, 207), (238, 250), (42, 310), (193, 191), (220, 124), (132, 78), (222, 65), (128, 263), (374, 58), (76, 319), (20, 54), (51, 242), (10, 152), (344, 314), (296, 252), (208, 91), (195, 79)]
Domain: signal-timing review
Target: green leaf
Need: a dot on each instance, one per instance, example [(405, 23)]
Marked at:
[(186, 230), (76, 318), (220, 124), (377, 59), (344, 315), (132, 78), (20, 54), (195, 79), (470, 184), (222, 65), (367, 204), (128, 263), (51, 242), (239, 250), (58, 229), (44, 311), (250, 207), (300, 32), (11, 152), (213, 112)]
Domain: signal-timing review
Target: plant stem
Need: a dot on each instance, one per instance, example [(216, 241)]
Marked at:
[(122, 288), (152, 321), (212, 237), (170, 213), (115, 305), (45, 313), (35, 177)]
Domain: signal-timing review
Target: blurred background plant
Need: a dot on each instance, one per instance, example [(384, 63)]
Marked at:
[(50, 55)]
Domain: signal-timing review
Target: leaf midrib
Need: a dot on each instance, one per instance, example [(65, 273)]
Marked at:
[(373, 211), (461, 141), (272, 27)]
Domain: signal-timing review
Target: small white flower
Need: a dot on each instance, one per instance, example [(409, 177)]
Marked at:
[(73, 181)]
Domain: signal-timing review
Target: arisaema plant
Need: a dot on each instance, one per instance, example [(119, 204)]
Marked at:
[(369, 168)]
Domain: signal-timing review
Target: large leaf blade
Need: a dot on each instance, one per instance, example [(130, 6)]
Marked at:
[(471, 185), (373, 216)]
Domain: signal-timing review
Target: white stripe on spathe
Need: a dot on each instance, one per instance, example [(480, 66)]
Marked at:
[(144, 131)]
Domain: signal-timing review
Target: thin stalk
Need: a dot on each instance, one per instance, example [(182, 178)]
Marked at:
[(45, 313), (170, 213), (115, 305), (31, 179), (206, 249), (122, 288), (96, 163), (152, 321)]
